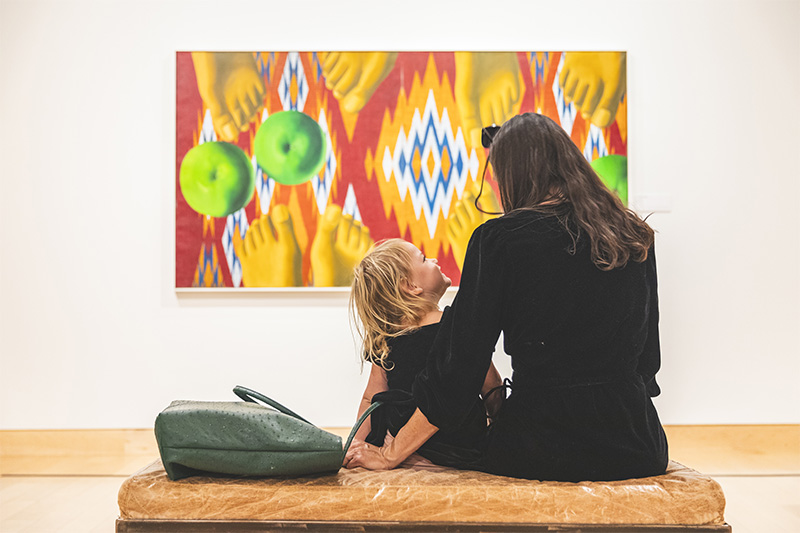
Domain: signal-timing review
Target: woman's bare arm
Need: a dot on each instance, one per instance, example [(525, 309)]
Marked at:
[(410, 437)]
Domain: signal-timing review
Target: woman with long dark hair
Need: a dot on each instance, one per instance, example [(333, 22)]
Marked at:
[(568, 275)]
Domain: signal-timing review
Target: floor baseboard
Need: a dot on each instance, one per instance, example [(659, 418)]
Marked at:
[(715, 450)]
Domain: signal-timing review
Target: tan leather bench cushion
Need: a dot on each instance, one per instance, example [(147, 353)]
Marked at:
[(437, 494)]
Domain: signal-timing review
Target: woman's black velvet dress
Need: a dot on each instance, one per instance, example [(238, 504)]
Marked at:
[(459, 445), (584, 349)]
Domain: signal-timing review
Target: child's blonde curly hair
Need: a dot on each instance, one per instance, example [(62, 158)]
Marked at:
[(380, 306)]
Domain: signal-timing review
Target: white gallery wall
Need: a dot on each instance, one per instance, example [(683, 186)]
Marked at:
[(93, 334)]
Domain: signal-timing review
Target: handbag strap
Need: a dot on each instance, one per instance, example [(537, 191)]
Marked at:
[(251, 396), (360, 421)]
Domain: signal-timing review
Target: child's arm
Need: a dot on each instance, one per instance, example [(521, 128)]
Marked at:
[(378, 382), (495, 401)]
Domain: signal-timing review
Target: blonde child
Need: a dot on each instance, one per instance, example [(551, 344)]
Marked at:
[(395, 302)]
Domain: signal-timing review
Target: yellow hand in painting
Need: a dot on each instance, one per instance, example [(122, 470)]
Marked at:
[(269, 253), (339, 245), (487, 88), (232, 89), (595, 83), (466, 217), (354, 76)]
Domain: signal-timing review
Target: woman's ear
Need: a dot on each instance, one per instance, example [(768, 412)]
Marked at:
[(410, 287)]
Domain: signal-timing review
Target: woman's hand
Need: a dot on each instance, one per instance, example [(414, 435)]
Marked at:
[(410, 437), (367, 456)]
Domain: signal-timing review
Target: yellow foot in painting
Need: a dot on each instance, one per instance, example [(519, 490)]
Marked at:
[(339, 245), (487, 87), (354, 76), (466, 218), (231, 88), (595, 83), (269, 253)]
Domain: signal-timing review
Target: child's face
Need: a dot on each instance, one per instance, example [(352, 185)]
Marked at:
[(426, 274)]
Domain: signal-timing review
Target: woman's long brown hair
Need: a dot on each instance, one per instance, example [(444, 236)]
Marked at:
[(535, 162)]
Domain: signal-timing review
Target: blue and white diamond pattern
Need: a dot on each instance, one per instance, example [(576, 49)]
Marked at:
[(265, 61), (207, 133), (264, 184), (566, 112), (322, 185), (293, 69), (595, 143), (317, 65), (234, 265), (430, 135), (538, 67), (350, 206)]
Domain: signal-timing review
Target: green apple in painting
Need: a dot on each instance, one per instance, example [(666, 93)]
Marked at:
[(217, 178), (613, 171), (290, 147)]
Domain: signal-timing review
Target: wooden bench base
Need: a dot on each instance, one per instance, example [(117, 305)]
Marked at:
[(254, 526), (418, 499)]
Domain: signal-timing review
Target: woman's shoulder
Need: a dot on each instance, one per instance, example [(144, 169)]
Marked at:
[(529, 224)]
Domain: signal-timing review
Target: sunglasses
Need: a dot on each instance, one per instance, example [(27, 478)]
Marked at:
[(487, 135)]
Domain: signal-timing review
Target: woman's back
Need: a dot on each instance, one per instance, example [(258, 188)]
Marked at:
[(584, 348), (565, 319)]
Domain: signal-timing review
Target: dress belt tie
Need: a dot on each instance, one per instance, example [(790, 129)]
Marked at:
[(523, 383)]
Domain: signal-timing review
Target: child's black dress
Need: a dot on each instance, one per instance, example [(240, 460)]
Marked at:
[(460, 446)]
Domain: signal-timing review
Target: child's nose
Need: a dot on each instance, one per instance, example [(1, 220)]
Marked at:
[(435, 260)]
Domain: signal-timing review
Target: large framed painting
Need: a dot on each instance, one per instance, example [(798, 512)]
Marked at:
[(290, 165)]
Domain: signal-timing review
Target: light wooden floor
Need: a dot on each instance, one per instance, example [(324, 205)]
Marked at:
[(46, 476)]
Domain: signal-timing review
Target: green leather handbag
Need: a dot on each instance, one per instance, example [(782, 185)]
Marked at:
[(245, 439)]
